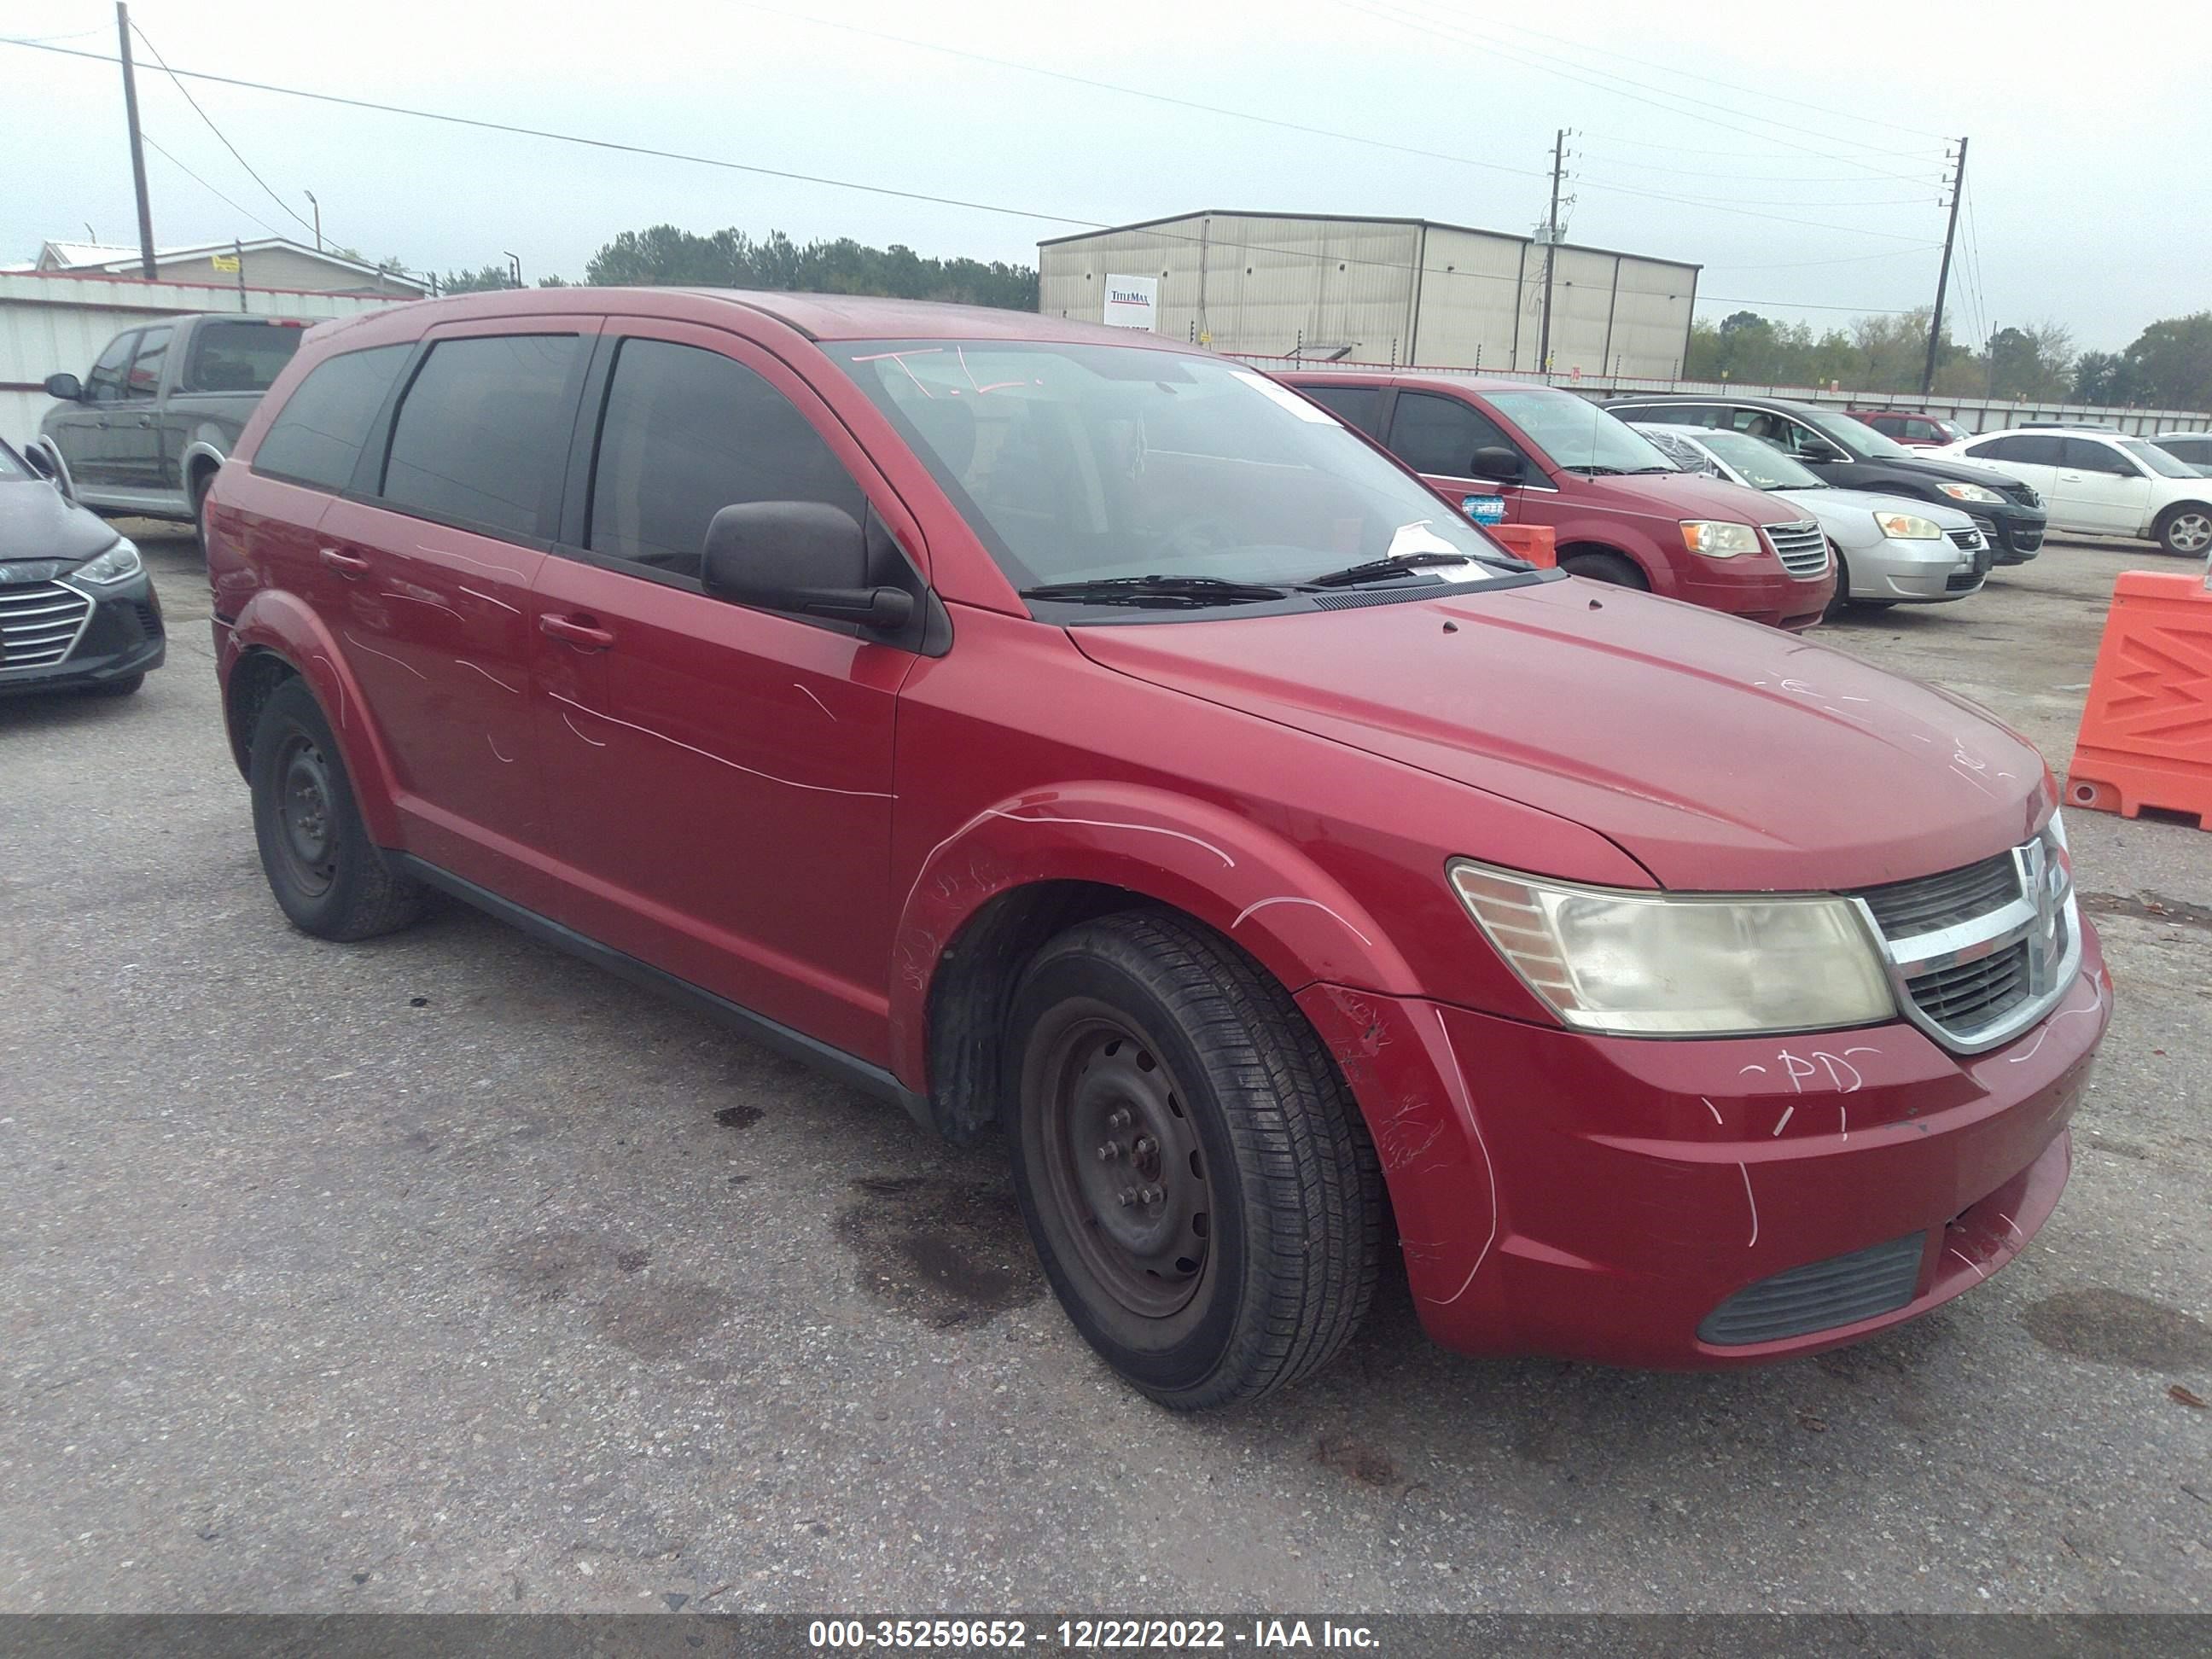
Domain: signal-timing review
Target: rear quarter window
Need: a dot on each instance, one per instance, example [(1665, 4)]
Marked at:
[(317, 436)]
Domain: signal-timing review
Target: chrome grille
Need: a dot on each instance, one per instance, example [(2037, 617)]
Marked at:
[(1801, 548), (39, 624), (1979, 954)]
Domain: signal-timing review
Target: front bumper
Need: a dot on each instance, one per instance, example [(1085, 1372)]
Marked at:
[(1904, 573), (122, 636), (1761, 590), (1606, 1198), (2014, 532)]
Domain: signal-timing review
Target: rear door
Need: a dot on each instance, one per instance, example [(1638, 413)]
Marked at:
[(2100, 488), (429, 565), (721, 777)]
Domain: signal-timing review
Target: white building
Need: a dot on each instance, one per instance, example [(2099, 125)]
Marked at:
[(1402, 291), (268, 262)]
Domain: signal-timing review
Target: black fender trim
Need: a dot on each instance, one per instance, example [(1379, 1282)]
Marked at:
[(849, 1069)]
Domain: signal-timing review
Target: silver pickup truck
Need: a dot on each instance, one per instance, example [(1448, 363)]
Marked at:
[(145, 429)]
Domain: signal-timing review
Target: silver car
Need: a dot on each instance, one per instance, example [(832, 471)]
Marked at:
[(2194, 447), (1889, 550)]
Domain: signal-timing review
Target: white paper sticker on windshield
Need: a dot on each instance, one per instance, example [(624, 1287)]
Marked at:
[(1288, 398), (1418, 537)]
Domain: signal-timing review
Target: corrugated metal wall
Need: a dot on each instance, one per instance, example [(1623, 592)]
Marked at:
[(1388, 290), (49, 324)]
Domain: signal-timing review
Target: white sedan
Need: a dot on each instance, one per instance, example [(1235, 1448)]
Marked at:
[(2103, 484), (1890, 550)]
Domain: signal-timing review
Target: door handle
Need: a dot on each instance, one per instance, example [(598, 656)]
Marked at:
[(346, 564), (102, 422), (579, 631)]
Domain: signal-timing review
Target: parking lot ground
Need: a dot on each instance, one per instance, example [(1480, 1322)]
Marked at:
[(446, 1273)]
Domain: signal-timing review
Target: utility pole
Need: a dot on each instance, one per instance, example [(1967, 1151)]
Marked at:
[(1943, 277), (137, 149), (514, 267), (317, 207), (1550, 248)]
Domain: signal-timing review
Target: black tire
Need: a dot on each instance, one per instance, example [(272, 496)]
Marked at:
[(328, 878), (1841, 601), (201, 482), (125, 687), (2185, 529), (1249, 1255), (1610, 568)]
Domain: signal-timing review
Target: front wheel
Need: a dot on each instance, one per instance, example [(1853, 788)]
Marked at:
[(2186, 530), (1194, 1171), (328, 877)]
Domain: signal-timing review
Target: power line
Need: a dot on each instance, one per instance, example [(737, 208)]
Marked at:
[(1710, 80), (203, 185), (1848, 259), (215, 130), (482, 124), (1723, 201), (1286, 126), (1612, 159)]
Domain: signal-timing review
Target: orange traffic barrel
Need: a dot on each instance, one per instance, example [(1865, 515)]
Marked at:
[(2146, 738)]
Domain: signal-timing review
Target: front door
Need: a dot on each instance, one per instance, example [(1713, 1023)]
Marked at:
[(428, 586), (1438, 436), (84, 431), (720, 777), (135, 439), (2100, 488)]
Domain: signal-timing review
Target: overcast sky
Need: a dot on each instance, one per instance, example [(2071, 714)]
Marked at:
[(2090, 126)]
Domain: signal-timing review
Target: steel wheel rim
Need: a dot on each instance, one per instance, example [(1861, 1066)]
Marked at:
[(1122, 1160), (306, 830), (2190, 532)]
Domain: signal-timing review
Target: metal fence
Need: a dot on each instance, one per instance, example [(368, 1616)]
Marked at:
[(53, 322)]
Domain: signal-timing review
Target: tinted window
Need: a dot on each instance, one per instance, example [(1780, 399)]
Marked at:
[(105, 384), (2087, 455), (687, 432), (240, 356), (145, 377), (482, 436), (317, 436), (1359, 406), (2022, 449), (1440, 435)]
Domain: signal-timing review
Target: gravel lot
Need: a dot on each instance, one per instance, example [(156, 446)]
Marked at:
[(444, 1272)]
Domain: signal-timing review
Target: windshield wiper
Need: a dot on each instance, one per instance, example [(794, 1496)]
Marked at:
[(1641, 470), (1597, 470), (1155, 590), (1396, 565)]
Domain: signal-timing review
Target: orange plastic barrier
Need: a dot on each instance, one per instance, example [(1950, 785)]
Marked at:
[(2146, 738), (1534, 541)]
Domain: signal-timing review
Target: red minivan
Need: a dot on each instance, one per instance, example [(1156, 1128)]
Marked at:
[(1620, 511), (1074, 737)]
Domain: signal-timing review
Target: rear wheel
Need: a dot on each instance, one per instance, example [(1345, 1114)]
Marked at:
[(1194, 1173), (328, 878), (203, 481), (2186, 529), (1611, 568)]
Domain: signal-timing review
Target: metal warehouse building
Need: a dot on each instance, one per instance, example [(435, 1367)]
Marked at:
[(1405, 291)]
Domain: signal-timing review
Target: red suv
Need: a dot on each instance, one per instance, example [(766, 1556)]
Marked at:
[(1621, 510), (1911, 427), (1079, 737)]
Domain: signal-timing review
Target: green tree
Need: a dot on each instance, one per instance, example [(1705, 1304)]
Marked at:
[(2106, 376), (663, 255), (482, 280), (2172, 362)]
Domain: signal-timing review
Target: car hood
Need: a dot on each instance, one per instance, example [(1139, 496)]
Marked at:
[(1721, 755), (37, 522), (1936, 464), (1853, 510), (1685, 495)]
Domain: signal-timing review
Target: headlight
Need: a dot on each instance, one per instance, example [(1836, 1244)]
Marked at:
[(1967, 492), (119, 563), (1659, 964), (1909, 527), (1719, 540)]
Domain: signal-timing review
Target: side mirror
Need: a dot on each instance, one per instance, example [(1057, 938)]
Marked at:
[(67, 388), (803, 556), (1823, 453), (1494, 462)]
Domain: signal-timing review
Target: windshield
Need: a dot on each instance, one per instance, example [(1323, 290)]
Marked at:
[(2157, 459), (1085, 463), (1760, 463), (1576, 434), (1853, 438)]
